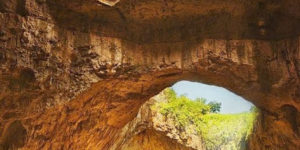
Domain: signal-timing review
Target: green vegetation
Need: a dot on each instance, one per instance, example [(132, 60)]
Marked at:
[(219, 131), (226, 131), (214, 107)]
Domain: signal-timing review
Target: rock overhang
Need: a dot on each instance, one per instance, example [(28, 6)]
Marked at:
[(178, 20), (53, 50)]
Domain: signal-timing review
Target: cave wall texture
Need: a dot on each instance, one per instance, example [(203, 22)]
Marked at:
[(73, 73), (152, 131)]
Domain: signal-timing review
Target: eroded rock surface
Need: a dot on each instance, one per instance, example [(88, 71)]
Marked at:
[(74, 73), (153, 131)]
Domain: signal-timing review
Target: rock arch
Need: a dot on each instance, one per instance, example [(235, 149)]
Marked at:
[(98, 114), (91, 69)]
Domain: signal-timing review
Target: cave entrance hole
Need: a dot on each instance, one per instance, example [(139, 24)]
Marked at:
[(198, 116)]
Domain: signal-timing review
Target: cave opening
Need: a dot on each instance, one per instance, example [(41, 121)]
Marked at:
[(193, 115), (74, 74)]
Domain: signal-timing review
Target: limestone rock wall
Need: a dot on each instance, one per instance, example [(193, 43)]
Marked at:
[(151, 130), (72, 76), (152, 140)]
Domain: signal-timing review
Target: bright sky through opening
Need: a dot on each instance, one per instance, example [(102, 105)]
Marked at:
[(231, 103)]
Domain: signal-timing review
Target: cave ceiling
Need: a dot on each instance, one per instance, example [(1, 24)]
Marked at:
[(182, 20)]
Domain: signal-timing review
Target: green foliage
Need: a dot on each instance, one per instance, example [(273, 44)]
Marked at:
[(253, 109), (219, 131), (182, 108), (215, 107), (226, 130)]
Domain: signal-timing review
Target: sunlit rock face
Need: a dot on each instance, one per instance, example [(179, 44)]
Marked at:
[(151, 130), (153, 140), (74, 73)]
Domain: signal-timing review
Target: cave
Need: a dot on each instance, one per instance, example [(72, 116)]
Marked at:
[(191, 116), (74, 73)]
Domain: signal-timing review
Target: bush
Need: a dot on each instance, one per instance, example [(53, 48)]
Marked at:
[(182, 108)]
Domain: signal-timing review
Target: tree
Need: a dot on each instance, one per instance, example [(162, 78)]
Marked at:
[(253, 109), (214, 106)]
